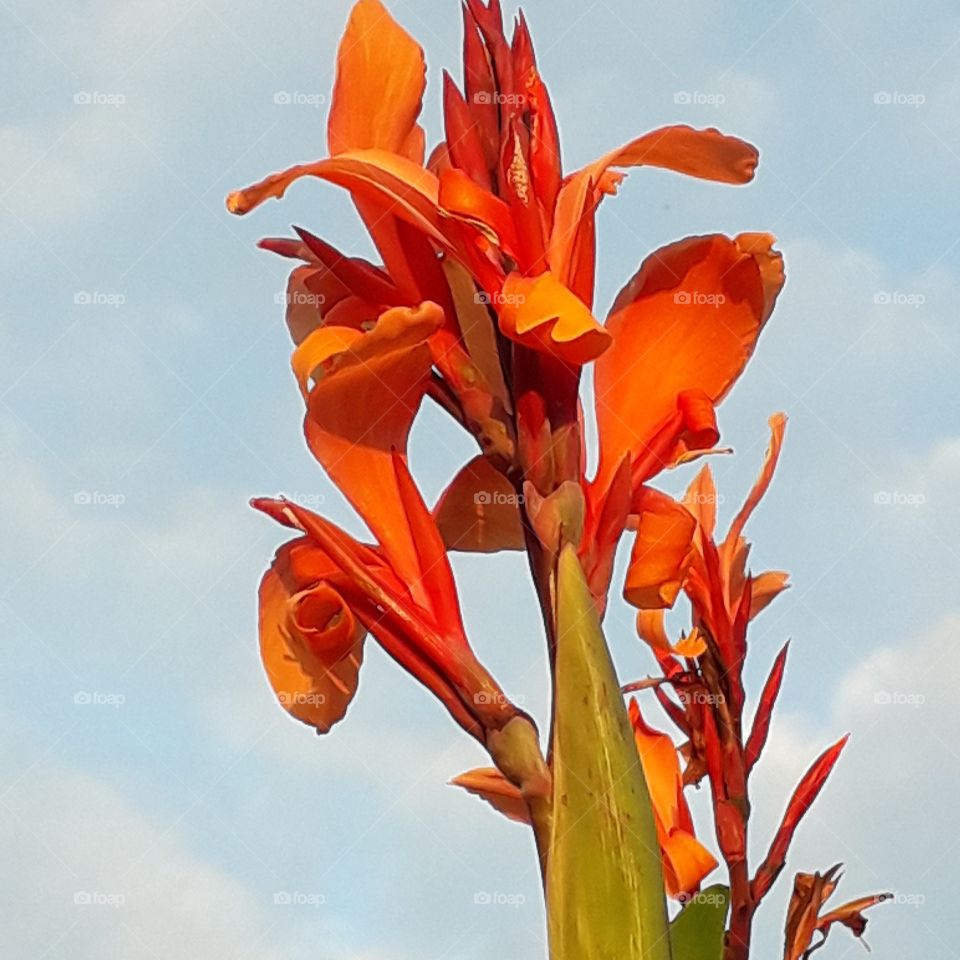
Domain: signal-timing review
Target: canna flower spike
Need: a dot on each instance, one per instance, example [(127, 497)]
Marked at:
[(480, 299)]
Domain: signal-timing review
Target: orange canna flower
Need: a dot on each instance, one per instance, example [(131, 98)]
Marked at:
[(325, 590), (675, 548), (683, 330), (492, 196)]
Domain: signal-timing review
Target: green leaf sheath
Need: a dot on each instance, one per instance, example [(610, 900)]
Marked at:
[(697, 932), (605, 895)]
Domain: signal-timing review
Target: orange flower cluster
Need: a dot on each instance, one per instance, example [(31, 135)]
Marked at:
[(483, 302)]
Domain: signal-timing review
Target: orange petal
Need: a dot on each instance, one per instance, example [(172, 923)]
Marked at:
[(778, 426), (701, 500), (686, 862), (541, 313), (765, 587), (310, 642), (688, 321), (708, 154), (661, 768), (662, 551), (381, 76), (734, 550), (366, 390), (491, 785), (479, 511), (461, 197), (691, 646), (651, 628), (400, 186)]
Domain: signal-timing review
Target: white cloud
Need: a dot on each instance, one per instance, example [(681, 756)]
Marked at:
[(887, 810)]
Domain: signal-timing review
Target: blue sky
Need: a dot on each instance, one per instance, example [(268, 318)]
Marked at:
[(154, 801)]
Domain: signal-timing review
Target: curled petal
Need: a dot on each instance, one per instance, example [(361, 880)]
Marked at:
[(541, 313), (686, 862), (310, 642), (689, 320), (707, 154), (381, 76), (651, 628), (366, 389), (400, 186), (662, 551)]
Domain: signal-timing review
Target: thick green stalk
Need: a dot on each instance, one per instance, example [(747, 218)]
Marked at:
[(604, 881)]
